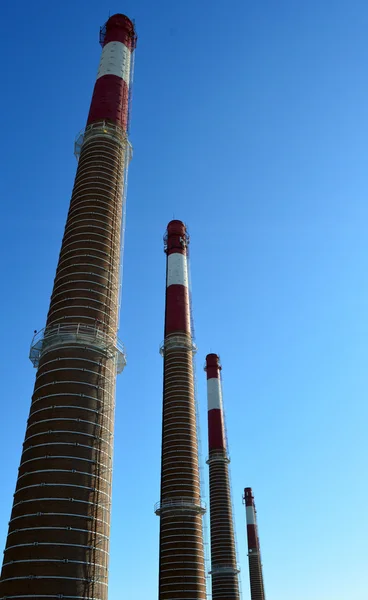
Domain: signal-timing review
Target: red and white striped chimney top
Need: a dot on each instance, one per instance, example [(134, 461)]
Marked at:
[(177, 318), (250, 511), (176, 238), (248, 497), (216, 429), (110, 100), (213, 366), (119, 28)]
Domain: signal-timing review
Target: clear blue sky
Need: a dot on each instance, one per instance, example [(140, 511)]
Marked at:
[(250, 123)]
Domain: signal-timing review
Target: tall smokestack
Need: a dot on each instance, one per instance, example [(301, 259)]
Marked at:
[(224, 570), (254, 553), (58, 538), (182, 571)]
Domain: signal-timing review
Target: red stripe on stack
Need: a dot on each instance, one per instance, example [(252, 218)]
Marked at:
[(252, 537), (110, 101), (216, 438), (120, 29), (213, 367), (176, 233), (177, 310), (248, 497)]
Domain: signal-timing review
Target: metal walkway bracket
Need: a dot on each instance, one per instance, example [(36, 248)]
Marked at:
[(224, 570), (177, 341), (180, 505), (103, 129), (80, 335)]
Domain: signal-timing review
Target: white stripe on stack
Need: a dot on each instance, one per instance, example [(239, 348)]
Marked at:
[(251, 518), (214, 399), (115, 60), (177, 270)]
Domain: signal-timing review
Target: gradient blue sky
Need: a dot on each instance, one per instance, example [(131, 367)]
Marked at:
[(249, 122)]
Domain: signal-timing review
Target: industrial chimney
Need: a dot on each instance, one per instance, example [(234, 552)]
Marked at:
[(58, 538), (224, 570), (182, 571), (254, 553)]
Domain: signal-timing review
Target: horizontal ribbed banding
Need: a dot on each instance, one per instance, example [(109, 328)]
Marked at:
[(60, 522), (181, 574), (256, 577), (224, 572), (254, 555), (58, 538), (110, 100)]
